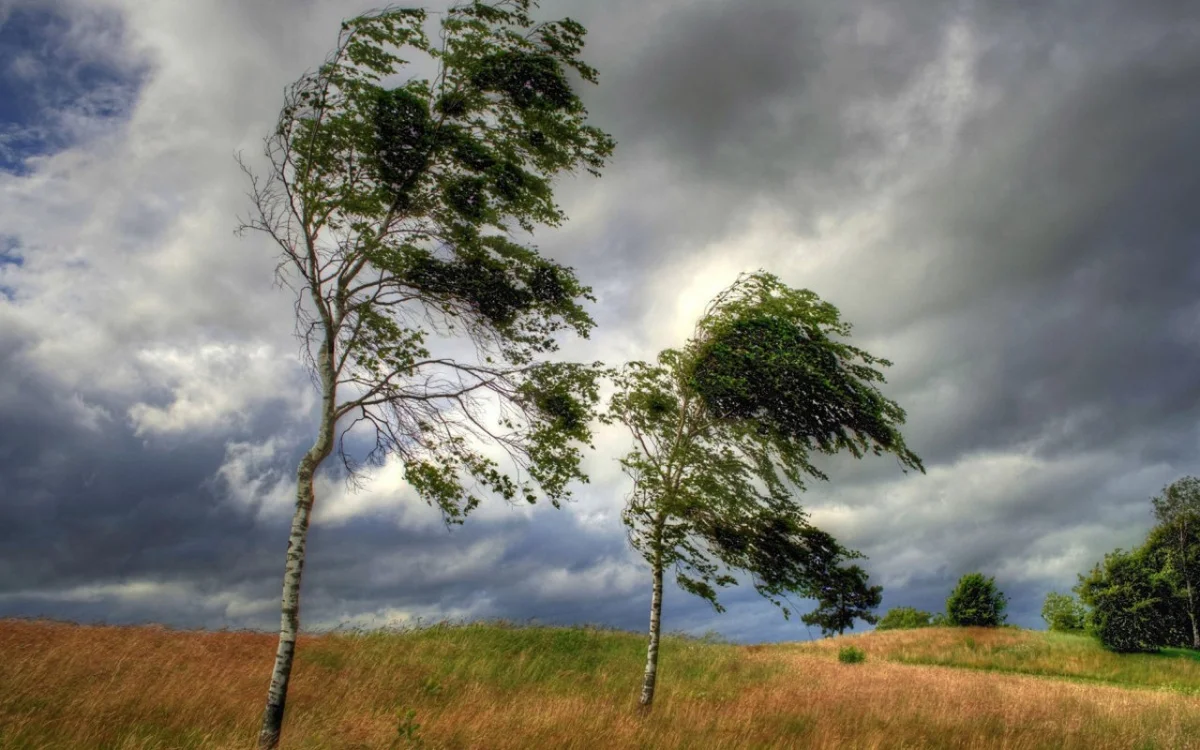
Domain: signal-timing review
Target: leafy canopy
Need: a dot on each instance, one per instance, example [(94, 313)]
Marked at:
[(1177, 535), (1063, 612), (1138, 600), (1130, 603), (721, 445), (976, 602), (395, 204), (843, 597), (904, 618)]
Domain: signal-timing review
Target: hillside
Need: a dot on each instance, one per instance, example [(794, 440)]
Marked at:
[(506, 687)]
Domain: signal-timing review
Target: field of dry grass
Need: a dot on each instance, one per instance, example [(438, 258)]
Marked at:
[(1062, 655), (502, 687)]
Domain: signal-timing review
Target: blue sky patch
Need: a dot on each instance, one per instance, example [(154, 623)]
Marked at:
[(53, 78)]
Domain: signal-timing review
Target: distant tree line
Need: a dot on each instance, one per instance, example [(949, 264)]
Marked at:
[(976, 601)]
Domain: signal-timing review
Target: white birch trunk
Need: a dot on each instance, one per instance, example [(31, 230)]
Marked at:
[(1188, 580), (651, 675), (1192, 615), (289, 625)]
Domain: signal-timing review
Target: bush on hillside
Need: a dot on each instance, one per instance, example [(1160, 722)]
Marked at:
[(976, 602), (904, 618), (851, 655), (1063, 612)]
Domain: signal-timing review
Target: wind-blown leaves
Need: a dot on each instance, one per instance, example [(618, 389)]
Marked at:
[(394, 206), (723, 430)]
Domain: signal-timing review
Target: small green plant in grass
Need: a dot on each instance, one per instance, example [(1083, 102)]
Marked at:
[(851, 655), (408, 731)]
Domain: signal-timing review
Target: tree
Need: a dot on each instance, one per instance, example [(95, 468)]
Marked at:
[(904, 618), (976, 602), (394, 207), (1131, 603), (1063, 612), (843, 598), (722, 431), (1178, 512)]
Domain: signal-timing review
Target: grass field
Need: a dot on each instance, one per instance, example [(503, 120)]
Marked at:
[(499, 686)]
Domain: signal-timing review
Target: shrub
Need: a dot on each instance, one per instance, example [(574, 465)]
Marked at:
[(976, 602), (851, 655), (1063, 612), (1132, 604), (904, 618)]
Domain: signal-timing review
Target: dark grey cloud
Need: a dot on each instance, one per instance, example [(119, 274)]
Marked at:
[(1026, 174)]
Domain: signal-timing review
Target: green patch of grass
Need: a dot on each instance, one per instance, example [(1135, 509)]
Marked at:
[(553, 660), (1071, 656)]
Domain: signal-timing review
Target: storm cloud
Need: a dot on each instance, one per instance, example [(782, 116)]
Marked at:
[(999, 196)]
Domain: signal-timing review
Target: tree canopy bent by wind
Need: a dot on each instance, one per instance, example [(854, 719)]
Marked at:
[(396, 208), (723, 430)]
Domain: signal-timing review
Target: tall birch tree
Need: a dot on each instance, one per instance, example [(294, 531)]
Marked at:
[(396, 205), (723, 429)]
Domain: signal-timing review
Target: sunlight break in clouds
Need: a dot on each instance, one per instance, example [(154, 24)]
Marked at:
[(996, 195)]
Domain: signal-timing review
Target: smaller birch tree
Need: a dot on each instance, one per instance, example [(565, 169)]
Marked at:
[(722, 432)]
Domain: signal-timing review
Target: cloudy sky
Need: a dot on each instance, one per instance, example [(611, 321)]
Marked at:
[(1000, 196)]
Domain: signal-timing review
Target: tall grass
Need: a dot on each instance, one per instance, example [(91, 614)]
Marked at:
[(1061, 655), (504, 687)]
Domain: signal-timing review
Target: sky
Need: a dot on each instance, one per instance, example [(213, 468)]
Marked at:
[(999, 196)]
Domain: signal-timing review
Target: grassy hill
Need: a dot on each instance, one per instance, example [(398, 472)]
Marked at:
[(500, 686)]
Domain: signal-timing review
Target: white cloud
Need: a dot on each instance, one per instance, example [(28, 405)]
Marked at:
[(215, 386), (134, 291)]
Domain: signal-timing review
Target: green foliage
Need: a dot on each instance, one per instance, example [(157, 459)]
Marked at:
[(394, 203), (1063, 612), (844, 596), (714, 491), (904, 618), (764, 354), (1177, 538), (408, 731), (976, 602), (851, 655), (1133, 606)]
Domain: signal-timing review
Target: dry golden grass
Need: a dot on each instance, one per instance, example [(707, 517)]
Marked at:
[(491, 686)]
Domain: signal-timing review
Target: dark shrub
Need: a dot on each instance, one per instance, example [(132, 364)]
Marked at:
[(976, 602)]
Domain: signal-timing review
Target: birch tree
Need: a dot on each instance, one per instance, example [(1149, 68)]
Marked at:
[(1178, 512), (723, 429), (397, 207)]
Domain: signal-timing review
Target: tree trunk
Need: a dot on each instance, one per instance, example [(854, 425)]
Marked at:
[(1192, 616), (651, 675), (1183, 563), (289, 625)]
